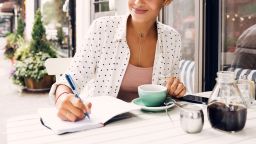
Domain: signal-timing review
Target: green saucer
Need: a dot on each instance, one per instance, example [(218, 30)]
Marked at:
[(139, 102)]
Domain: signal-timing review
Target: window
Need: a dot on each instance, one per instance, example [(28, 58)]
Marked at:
[(101, 5), (5, 23), (185, 17), (227, 21), (183, 20), (57, 25), (237, 17), (100, 8)]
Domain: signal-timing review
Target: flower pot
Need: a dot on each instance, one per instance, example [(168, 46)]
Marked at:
[(44, 84)]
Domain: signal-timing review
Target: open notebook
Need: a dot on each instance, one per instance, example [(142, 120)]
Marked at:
[(103, 109)]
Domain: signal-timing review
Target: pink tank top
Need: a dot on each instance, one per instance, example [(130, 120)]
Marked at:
[(133, 77)]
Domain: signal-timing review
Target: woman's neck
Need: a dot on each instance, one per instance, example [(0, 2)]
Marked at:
[(144, 29)]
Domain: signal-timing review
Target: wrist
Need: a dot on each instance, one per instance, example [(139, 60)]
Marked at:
[(60, 95)]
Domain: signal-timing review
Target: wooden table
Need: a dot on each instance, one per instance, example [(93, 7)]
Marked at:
[(143, 127)]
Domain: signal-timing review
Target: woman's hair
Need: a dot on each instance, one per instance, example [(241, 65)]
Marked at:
[(166, 2)]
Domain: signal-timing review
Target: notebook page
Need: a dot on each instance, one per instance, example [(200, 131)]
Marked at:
[(51, 120), (106, 107), (103, 109)]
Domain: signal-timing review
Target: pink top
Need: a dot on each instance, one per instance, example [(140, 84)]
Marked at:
[(133, 77)]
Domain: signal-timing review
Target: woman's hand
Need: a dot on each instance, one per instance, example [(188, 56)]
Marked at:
[(175, 88), (71, 108)]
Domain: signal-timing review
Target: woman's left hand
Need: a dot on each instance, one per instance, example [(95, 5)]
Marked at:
[(175, 88)]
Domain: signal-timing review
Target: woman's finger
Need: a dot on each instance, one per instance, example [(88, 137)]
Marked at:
[(70, 116), (182, 93), (70, 108), (169, 83), (63, 99), (77, 112), (61, 114), (176, 82), (88, 106), (66, 115), (179, 89), (79, 104), (84, 106), (174, 86)]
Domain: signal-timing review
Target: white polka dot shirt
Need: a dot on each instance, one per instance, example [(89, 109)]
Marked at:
[(99, 65)]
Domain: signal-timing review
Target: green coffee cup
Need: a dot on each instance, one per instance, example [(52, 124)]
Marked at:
[(152, 95)]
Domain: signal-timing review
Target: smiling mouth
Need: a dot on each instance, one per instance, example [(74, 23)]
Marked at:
[(139, 11)]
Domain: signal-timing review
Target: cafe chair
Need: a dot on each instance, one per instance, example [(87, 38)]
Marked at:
[(57, 66), (186, 74)]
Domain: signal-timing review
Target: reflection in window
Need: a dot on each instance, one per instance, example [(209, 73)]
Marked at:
[(5, 24), (238, 16), (56, 24), (181, 15)]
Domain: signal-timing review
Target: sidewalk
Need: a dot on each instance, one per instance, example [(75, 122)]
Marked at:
[(13, 103)]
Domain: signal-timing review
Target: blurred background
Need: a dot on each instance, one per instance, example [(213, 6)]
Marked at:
[(33, 30)]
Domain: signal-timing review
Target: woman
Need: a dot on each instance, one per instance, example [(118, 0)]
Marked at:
[(120, 53)]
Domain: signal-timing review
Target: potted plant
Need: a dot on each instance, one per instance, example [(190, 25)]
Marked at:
[(30, 71)]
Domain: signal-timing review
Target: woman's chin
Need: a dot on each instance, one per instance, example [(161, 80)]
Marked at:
[(139, 18)]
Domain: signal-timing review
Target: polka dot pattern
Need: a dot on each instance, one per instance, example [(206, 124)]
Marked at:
[(100, 64)]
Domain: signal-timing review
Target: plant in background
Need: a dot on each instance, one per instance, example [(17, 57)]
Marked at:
[(39, 42), (31, 67), (23, 51), (31, 57), (13, 39), (10, 47), (60, 36), (20, 28)]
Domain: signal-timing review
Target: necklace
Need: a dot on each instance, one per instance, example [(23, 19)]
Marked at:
[(140, 48)]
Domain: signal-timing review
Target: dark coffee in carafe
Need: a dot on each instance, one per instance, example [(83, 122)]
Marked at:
[(227, 117), (226, 107)]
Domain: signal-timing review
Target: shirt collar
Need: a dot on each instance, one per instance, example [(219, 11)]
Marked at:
[(121, 29)]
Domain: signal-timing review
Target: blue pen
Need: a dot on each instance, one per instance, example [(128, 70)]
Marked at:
[(73, 87)]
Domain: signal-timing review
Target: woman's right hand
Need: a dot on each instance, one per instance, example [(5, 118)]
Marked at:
[(71, 108)]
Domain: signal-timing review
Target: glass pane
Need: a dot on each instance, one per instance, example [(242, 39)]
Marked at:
[(104, 6), (183, 20), (182, 16), (239, 34), (5, 24), (56, 25), (101, 8)]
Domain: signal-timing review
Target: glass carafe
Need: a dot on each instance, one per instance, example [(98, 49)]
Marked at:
[(226, 108)]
